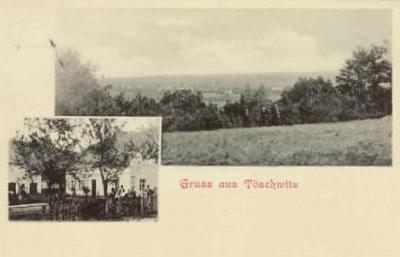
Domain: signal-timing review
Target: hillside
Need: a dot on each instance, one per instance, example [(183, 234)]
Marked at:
[(216, 88), (363, 142)]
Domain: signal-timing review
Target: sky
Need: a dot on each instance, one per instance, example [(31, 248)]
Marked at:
[(126, 43)]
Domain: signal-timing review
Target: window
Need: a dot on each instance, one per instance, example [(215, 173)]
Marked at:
[(12, 187)]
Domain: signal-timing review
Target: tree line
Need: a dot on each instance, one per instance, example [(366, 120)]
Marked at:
[(363, 90)]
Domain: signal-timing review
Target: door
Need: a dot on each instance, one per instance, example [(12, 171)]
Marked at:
[(93, 188), (33, 188)]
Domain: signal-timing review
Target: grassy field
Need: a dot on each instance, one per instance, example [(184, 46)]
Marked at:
[(363, 142)]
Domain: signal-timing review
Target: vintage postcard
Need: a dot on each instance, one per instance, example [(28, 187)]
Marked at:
[(201, 128)]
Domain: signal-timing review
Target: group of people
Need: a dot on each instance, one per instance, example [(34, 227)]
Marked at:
[(119, 204), (129, 203)]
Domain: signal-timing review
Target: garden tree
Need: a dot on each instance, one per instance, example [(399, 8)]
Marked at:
[(252, 102), (142, 106), (261, 96), (73, 80), (309, 101), (233, 115), (247, 97), (48, 148), (99, 102), (210, 118), (180, 110), (106, 152), (361, 78)]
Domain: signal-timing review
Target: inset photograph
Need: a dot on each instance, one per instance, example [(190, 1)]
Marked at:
[(84, 169)]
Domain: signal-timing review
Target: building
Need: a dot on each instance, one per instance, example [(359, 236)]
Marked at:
[(141, 173), (18, 182)]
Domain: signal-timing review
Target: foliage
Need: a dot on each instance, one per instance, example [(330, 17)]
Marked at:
[(149, 149), (360, 82), (210, 118), (180, 110), (310, 101), (105, 153), (48, 148), (57, 148), (99, 102), (363, 91), (74, 80)]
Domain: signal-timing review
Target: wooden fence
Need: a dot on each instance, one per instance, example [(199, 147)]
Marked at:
[(87, 208)]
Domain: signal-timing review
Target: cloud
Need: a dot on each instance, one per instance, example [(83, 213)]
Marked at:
[(135, 43)]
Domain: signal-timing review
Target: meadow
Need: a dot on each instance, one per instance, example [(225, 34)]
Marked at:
[(351, 143)]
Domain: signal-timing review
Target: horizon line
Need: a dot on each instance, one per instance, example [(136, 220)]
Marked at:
[(103, 76)]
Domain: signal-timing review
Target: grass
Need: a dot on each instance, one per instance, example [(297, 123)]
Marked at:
[(362, 142)]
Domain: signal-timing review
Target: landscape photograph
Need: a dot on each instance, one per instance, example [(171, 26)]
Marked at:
[(236, 87)]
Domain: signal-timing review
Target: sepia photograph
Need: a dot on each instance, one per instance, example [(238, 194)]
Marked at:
[(236, 87), (84, 169), (209, 128)]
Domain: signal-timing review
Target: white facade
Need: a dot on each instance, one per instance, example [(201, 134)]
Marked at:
[(17, 181), (140, 171)]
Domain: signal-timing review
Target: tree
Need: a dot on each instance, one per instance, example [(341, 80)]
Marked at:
[(361, 78), (106, 152), (253, 102), (74, 80), (48, 148), (233, 114), (180, 110), (99, 102), (309, 101), (142, 106), (149, 149), (209, 118)]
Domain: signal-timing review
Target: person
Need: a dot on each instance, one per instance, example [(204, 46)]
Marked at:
[(135, 203), (107, 210), (118, 206), (154, 200), (148, 199), (121, 191), (74, 210), (142, 201), (65, 210), (52, 204), (113, 192), (21, 196), (59, 207)]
